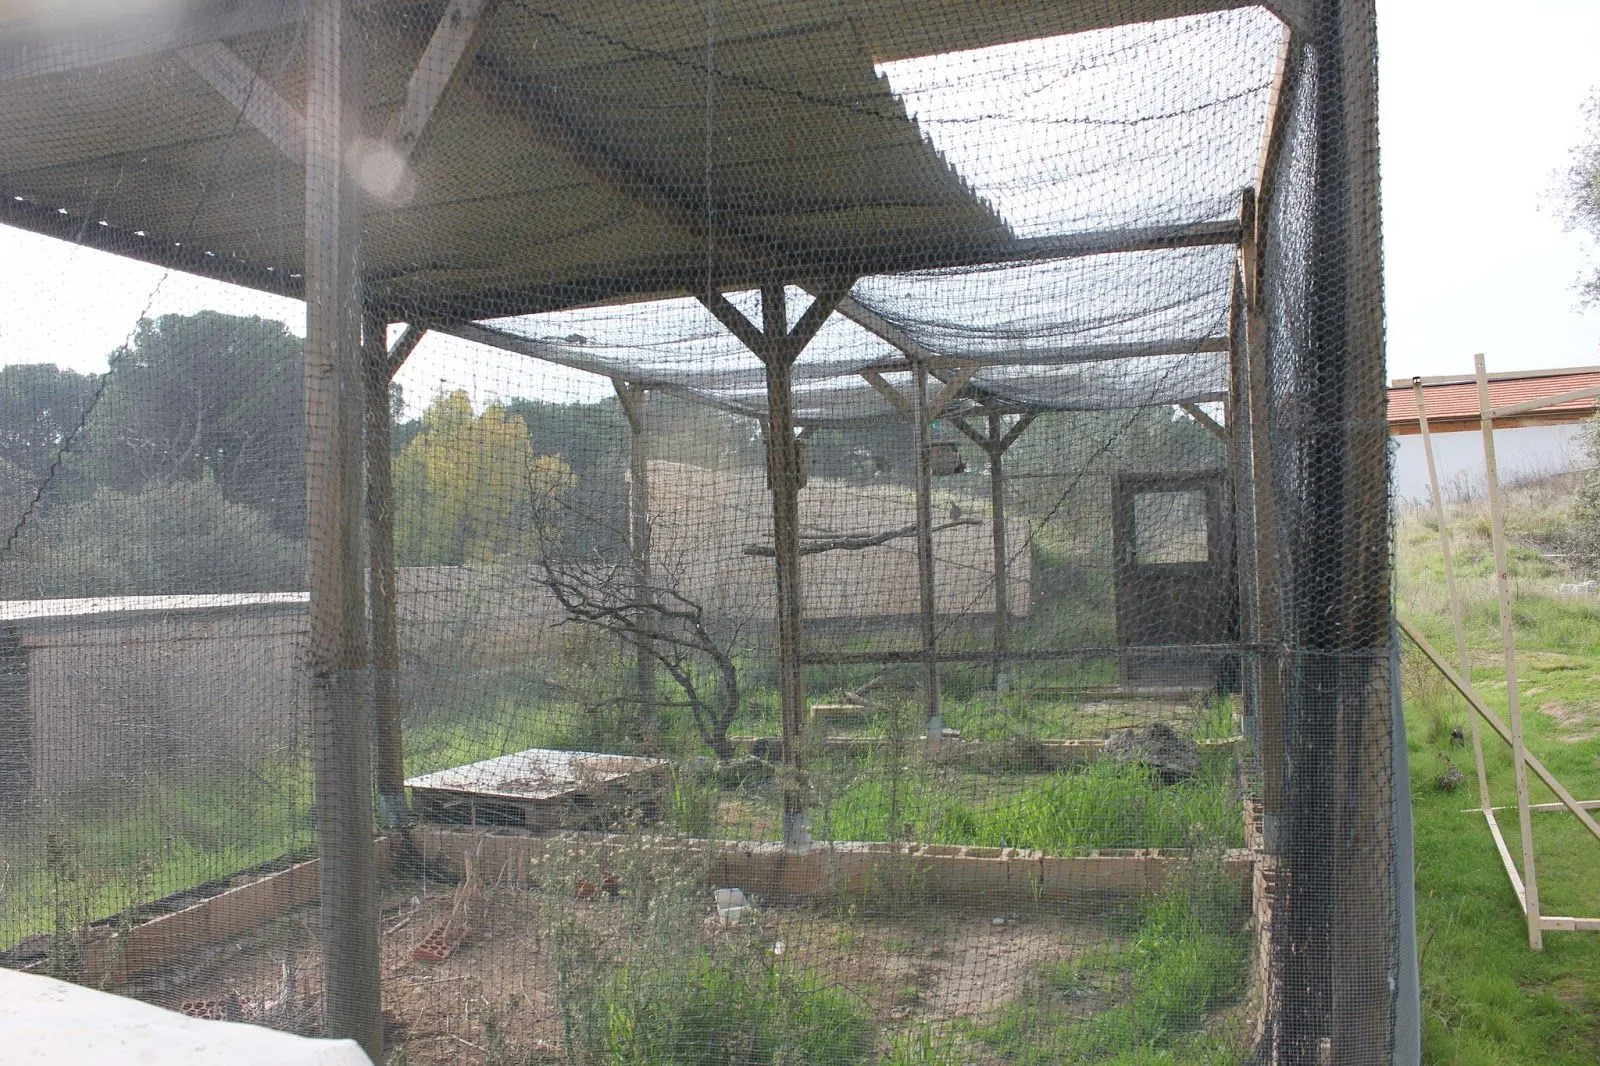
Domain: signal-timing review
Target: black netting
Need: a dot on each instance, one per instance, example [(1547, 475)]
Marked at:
[(797, 533)]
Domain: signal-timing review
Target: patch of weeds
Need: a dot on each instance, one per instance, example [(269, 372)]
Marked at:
[(921, 1046), (1186, 960), (740, 1008)]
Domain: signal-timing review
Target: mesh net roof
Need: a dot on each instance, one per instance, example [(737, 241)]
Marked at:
[(1002, 169)]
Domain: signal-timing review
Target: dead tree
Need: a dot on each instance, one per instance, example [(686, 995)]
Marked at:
[(656, 619)]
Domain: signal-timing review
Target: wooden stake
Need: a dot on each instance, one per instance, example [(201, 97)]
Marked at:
[(341, 717), (1508, 641), (925, 577), (1462, 655), (633, 398)]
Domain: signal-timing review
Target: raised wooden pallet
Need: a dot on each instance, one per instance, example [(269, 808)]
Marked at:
[(542, 788)]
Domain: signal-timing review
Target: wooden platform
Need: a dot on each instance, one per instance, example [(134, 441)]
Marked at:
[(541, 788)]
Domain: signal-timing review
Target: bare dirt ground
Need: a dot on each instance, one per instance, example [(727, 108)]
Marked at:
[(494, 999)]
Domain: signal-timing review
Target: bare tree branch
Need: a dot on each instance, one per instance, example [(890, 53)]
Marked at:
[(812, 544)]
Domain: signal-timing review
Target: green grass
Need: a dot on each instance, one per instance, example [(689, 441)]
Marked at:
[(1487, 998), (1149, 1002), (729, 1010), (1102, 805)]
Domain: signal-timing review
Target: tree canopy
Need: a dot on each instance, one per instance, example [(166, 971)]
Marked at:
[(208, 395), (471, 489), (1581, 192)]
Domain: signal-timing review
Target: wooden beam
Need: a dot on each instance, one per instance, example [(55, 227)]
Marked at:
[(1018, 428), (1569, 925), (1068, 355), (735, 322), (1536, 808), (1462, 654), (454, 39), (1469, 694), (1285, 78), (1535, 404), (887, 391), (402, 348), (252, 95), (1505, 859), (1519, 761), (954, 381), (1196, 412), (342, 728)]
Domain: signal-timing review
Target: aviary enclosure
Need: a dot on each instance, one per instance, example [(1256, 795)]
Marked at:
[(788, 533)]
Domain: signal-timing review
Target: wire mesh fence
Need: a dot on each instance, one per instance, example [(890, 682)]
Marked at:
[(777, 534)]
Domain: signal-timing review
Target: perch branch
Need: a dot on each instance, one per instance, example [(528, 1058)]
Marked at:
[(814, 545)]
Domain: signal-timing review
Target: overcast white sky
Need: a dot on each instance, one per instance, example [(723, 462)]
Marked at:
[(1481, 106)]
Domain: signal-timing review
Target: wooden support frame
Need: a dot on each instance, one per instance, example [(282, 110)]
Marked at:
[(995, 443), (1211, 425), (778, 346), (1519, 762), (921, 420), (454, 39), (1537, 923), (1475, 701), (341, 715), (380, 363), (1462, 655), (251, 94), (634, 398)]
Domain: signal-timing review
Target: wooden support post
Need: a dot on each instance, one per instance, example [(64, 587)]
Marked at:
[(633, 398), (1519, 759), (997, 518), (341, 716), (382, 574), (1266, 593), (778, 346), (380, 364), (783, 477), (925, 576), (995, 443), (1463, 656)]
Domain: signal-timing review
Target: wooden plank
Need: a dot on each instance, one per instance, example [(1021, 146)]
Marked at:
[(1570, 925), (1519, 760), (246, 90), (1536, 808), (454, 38), (1505, 858), (1477, 704), (1462, 655), (1512, 409)]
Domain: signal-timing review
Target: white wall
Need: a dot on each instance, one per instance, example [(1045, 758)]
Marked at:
[(1519, 453)]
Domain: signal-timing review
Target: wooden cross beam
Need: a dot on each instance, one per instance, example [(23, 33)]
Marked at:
[(455, 38), (259, 102)]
